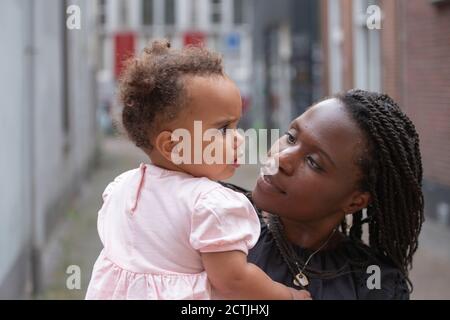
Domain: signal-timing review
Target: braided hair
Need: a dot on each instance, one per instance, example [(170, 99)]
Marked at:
[(391, 169)]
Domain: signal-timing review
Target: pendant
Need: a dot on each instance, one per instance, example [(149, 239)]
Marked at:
[(301, 280)]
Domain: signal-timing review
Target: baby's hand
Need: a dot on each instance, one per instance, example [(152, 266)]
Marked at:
[(300, 294)]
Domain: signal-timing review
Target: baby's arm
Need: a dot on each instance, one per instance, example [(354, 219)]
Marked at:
[(234, 278)]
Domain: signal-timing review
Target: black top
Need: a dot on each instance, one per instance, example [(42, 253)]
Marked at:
[(348, 286), (351, 284)]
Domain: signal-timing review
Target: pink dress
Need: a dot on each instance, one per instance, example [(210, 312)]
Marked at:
[(153, 225)]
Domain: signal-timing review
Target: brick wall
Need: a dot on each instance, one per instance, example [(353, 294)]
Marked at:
[(390, 50), (425, 55), (325, 48), (415, 55), (347, 44), (415, 62)]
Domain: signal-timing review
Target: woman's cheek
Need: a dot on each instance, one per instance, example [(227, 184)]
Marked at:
[(306, 186)]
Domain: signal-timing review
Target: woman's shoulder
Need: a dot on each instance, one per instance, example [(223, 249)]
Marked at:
[(358, 272), (375, 276), (381, 279), (382, 282)]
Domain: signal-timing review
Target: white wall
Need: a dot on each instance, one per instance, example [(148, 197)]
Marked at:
[(31, 133), (14, 219), (49, 161)]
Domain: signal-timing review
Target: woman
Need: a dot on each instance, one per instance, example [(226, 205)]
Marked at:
[(352, 154)]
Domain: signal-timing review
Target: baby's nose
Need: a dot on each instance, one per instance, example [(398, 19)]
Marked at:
[(238, 138)]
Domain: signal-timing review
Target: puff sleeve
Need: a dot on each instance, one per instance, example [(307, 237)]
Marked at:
[(110, 187), (224, 220)]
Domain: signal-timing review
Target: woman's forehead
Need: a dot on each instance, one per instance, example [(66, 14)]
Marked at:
[(328, 117), (329, 123)]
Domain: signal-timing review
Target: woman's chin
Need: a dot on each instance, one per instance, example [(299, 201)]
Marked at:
[(263, 200)]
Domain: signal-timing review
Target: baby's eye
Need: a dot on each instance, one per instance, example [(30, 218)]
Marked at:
[(223, 130)]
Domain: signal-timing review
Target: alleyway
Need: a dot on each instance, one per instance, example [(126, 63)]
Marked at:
[(77, 242)]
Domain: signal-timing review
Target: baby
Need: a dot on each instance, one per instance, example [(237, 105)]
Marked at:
[(169, 230)]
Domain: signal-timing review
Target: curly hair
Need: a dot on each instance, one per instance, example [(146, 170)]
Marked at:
[(392, 174), (152, 87)]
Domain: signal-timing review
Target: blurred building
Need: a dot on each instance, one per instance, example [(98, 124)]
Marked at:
[(287, 60), (408, 58), (126, 27), (285, 55), (48, 134)]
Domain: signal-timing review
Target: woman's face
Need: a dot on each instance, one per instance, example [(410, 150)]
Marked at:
[(317, 175)]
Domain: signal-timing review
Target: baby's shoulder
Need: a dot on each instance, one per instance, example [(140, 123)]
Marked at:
[(125, 176), (215, 194), (204, 185), (120, 179)]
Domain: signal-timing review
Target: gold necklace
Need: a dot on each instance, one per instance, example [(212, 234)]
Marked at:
[(301, 280), (286, 250)]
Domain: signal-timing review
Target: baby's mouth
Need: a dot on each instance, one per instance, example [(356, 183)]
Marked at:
[(236, 159), (235, 163)]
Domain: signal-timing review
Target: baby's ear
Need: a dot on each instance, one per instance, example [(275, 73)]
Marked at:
[(164, 144)]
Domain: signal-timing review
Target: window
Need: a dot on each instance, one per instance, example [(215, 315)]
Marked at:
[(367, 51), (65, 89), (102, 12), (123, 13), (335, 47), (169, 12), (238, 11), (216, 11), (147, 12)]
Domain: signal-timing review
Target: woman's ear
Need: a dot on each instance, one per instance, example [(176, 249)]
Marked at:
[(358, 201), (164, 144)]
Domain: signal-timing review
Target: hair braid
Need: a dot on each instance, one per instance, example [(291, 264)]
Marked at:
[(392, 174)]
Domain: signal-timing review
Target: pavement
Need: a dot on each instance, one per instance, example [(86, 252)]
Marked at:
[(76, 241)]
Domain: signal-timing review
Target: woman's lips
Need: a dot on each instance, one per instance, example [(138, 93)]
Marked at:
[(267, 184)]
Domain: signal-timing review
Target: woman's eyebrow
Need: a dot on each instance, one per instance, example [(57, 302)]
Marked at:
[(316, 145)]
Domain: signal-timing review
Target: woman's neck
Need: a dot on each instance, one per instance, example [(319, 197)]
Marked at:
[(311, 235)]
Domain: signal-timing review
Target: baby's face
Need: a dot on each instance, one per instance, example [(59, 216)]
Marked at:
[(214, 104)]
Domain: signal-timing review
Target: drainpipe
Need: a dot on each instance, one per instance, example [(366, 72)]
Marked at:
[(35, 252)]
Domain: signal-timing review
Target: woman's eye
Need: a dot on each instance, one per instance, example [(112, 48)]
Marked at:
[(290, 138), (313, 164)]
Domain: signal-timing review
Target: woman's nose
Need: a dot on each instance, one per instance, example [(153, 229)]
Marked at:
[(287, 160)]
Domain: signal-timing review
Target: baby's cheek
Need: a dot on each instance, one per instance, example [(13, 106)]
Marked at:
[(223, 151), (229, 152)]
